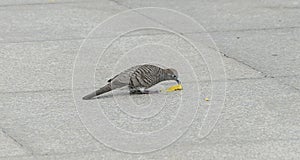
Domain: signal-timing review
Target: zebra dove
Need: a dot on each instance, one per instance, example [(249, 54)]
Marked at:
[(138, 79)]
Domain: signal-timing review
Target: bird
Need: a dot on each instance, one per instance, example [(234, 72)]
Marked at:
[(138, 79)]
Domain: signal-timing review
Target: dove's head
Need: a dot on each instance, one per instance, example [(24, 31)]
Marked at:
[(172, 74)]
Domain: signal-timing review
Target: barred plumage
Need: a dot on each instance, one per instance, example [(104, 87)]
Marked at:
[(137, 78), (145, 76)]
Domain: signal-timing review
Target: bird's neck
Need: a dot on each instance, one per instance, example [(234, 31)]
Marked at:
[(164, 75)]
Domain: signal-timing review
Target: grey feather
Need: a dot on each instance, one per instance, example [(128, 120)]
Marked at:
[(102, 90), (146, 76)]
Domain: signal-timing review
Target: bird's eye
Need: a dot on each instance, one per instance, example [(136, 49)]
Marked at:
[(174, 76)]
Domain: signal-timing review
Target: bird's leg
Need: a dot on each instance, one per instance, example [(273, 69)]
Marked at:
[(139, 91), (145, 91), (149, 92), (135, 91)]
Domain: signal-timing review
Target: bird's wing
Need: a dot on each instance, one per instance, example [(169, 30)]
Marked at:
[(145, 76), (123, 78)]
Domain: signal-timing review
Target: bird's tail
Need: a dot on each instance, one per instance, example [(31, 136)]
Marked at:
[(102, 90)]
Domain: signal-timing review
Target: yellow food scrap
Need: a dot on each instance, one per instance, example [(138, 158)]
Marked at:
[(175, 88), (206, 99)]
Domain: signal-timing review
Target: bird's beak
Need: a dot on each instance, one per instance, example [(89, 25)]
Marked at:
[(178, 81)]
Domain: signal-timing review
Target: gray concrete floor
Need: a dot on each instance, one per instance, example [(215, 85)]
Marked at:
[(258, 42)]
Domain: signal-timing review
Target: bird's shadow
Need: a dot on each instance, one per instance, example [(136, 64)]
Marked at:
[(120, 94)]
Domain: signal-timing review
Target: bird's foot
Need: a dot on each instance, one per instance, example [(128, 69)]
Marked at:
[(135, 91), (142, 92)]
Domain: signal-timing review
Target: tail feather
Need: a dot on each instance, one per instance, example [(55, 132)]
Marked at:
[(102, 90)]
